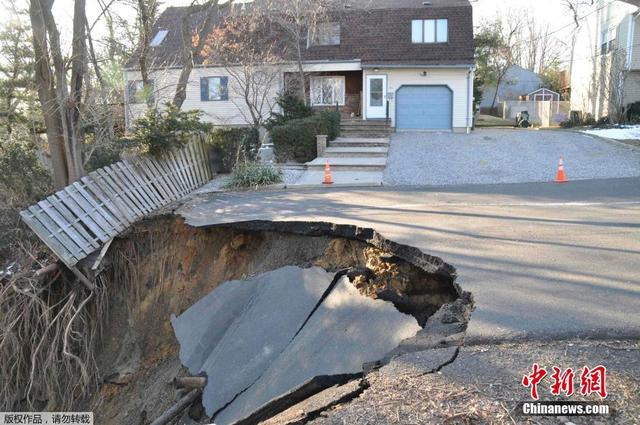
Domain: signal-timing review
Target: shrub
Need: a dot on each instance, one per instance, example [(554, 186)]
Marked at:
[(331, 124), (293, 108), (603, 122), (296, 140), (23, 181), (567, 124), (633, 112), (231, 145), (254, 174), (158, 132)]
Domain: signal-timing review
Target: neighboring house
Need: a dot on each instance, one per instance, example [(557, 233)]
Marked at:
[(416, 56), (517, 82), (605, 72)]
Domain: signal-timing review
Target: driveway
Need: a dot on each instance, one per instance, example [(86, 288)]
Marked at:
[(540, 259), (490, 156)]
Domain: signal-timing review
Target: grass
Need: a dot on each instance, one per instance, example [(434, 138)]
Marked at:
[(491, 121), (253, 175)]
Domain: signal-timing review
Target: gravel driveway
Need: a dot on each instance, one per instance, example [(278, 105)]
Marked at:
[(504, 156)]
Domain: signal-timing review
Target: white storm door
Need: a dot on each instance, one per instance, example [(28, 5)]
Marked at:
[(376, 96)]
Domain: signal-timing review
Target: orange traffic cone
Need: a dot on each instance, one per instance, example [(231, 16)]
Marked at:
[(562, 177), (327, 174)]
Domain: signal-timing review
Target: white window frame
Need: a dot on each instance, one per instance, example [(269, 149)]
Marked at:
[(321, 79), (420, 34)]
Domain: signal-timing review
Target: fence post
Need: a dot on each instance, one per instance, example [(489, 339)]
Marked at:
[(321, 140)]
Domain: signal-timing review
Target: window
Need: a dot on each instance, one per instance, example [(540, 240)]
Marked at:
[(158, 38), (326, 34), (214, 88), (138, 93), (430, 31), (607, 44), (327, 91)]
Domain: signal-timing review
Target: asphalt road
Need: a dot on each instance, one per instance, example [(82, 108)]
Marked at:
[(542, 260)]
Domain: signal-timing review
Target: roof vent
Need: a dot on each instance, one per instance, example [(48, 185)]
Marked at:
[(158, 38), (426, 3)]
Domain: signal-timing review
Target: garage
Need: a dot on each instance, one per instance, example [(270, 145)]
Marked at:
[(424, 108)]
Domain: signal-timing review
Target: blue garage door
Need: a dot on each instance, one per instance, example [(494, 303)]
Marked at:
[(424, 108)]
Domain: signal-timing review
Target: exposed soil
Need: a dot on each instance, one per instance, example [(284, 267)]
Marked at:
[(162, 266)]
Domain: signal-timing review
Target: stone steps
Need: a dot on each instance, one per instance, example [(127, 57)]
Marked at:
[(356, 152), (359, 142), (365, 135), (368, 129)]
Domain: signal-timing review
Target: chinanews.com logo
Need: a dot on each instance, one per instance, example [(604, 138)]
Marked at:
[(591, 381)]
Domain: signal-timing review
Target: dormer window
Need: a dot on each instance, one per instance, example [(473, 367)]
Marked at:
[(430, 30), (158, 38), (325, 34)]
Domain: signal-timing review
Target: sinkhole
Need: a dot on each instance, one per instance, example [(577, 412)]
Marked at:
[(270, 312)]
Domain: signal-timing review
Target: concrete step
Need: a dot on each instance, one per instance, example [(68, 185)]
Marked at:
[(348, 164), (357, 152), (364, 134), (364, 128), (314, 178), (359, 142), (363, 123)]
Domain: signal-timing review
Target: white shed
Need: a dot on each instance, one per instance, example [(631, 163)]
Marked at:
[(544, 95)]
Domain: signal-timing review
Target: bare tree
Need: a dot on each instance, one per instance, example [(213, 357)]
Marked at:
[(296, 19), (193, 41), (147, 12), (611, 82), (576, 8), (60, 102), (495, 52), (248, 48)]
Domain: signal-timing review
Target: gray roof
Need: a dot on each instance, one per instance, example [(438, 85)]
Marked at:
[(389, 43)]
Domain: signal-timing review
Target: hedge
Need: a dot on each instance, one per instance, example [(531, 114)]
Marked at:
[(230, 144), (296, 140)]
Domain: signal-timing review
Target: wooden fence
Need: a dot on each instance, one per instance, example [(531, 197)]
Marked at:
[(85, 216)]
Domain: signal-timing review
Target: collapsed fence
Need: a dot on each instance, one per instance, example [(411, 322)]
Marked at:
[(85, 216)]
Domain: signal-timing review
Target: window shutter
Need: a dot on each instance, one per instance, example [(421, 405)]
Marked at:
[(131, 92), (204, 89), (224, 88)]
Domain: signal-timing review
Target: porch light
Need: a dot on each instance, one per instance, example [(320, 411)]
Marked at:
[(376, 69)]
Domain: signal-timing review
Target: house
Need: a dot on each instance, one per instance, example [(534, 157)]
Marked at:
[(517, 82), (605, 70), (411, 61)]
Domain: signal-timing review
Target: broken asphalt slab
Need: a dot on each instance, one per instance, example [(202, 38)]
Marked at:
[(345, 332), (278, 338), (240, 328)]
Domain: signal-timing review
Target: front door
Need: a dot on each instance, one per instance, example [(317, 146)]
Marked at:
[(376, 96)]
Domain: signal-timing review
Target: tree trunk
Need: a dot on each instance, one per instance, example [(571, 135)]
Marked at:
[(47, 96), (301, 75), (78, 70), (189, 51)]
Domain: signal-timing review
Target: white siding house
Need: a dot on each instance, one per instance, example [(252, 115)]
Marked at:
[(419, 75), (610, 31)]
